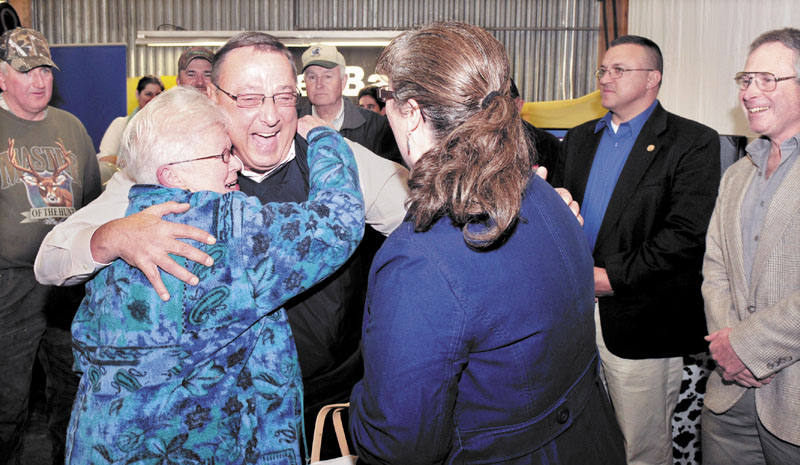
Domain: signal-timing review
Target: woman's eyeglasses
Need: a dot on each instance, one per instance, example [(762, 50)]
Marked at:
[(225, 155)]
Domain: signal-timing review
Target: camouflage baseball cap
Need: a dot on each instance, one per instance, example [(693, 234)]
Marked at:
[(193, 54), (25, 49)]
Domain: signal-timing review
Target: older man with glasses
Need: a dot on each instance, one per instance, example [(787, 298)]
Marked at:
[(646, 180), (751, 272)]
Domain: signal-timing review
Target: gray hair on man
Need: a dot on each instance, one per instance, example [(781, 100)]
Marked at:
[(165, 130), (261, 41), (790, 37)]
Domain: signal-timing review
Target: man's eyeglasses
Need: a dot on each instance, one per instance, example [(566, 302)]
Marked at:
[(225, 155), (385, 94), (767, 82), (615, 72), (281, 99)]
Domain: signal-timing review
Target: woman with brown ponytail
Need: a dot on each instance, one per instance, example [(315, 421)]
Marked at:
[(478, 336)]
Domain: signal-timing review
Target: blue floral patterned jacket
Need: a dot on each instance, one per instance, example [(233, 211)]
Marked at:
[(211, 376)]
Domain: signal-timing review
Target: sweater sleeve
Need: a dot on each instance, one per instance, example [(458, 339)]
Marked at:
[(288, 247)]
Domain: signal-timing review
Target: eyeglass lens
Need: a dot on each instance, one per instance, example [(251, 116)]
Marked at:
[(614, 72), (764, 81), (282, 99)]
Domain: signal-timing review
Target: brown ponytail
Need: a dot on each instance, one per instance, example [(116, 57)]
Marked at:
[(478, 170)]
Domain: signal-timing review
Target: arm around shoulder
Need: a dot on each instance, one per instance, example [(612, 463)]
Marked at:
[(109, 145)]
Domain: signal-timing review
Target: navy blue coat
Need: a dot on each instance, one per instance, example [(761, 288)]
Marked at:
[(484, 357)]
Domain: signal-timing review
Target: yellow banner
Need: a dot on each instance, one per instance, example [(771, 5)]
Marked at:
[(563, 114)]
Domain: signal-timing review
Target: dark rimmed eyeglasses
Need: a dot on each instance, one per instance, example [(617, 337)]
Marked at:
[(281, 99), (225, 155), (767, 82), (385, 94), (616, 72)]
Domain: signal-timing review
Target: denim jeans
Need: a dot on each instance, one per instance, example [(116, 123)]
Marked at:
[(34, 323)]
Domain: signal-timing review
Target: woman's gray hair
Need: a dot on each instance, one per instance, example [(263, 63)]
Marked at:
[(166, 130)]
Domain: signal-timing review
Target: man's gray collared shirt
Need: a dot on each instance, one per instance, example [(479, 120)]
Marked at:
[(759, 193)]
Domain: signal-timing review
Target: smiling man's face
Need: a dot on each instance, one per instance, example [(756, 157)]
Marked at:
[(261, 136), (775, 114)]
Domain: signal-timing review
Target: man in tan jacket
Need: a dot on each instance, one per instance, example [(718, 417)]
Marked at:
[(751, 272)]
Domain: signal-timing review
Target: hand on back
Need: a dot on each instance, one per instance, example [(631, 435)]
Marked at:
[(144, 240)]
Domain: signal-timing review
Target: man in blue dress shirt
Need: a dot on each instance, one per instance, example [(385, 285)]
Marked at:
[(646, 180)]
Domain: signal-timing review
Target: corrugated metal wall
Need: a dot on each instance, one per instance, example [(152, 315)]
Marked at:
[(552, 44)]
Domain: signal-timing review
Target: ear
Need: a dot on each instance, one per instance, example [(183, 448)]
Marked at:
[(210, 92), (653, 79), (413, 115), (168, 177)]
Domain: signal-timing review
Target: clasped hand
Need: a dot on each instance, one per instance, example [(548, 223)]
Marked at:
[(729, 364)]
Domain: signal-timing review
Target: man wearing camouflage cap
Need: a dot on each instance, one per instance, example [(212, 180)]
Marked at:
[(47, 171), (194, 68)]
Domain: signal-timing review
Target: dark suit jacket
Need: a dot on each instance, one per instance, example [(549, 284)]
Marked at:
[(546, 146), (652, 237)]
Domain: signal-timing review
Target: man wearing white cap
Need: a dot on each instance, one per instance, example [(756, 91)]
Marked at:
[(326, 78)]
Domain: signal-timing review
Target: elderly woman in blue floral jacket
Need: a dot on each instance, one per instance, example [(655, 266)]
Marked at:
[(210, 376)]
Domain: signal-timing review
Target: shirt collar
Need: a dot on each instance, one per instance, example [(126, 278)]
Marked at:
[(337, 121), (636, 123), (258, 177), (759, 150)]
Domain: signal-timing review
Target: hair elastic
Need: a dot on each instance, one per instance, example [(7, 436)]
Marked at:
[(488, 99)]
